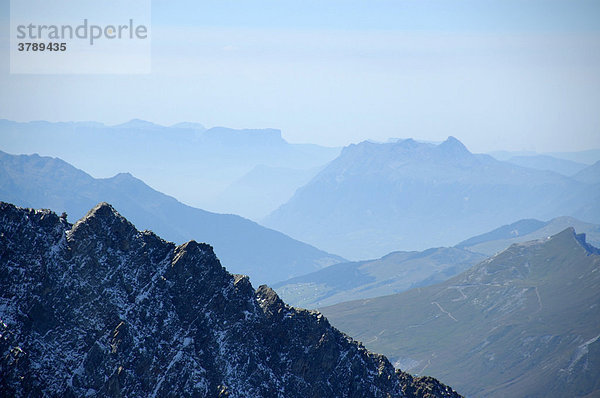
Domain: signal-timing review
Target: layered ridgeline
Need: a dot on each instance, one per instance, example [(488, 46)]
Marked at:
[(186, 160), (262, 190), (590, 175), (400, 271), (243, 246), (525, 322), (377, 198), (549, 163), (393, 273), (100, 308), (501, 238)]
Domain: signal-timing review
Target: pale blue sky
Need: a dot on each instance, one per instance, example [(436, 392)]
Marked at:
[(500, 74)]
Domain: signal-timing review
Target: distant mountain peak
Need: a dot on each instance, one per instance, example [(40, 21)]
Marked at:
[(408, 143), (453, 146), (245, 137), (137, 123), (126, 176), (125, 179)]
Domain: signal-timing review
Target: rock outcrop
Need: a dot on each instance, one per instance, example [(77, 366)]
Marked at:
[(99, 308)]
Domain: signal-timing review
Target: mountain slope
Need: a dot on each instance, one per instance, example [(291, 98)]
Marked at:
[(244, 246), (582, 157), (525, 322), (549, 163), (377, 198), (501, 238), (262, 190), (589, 175), (390, 274), (99, 308), (189, 162)]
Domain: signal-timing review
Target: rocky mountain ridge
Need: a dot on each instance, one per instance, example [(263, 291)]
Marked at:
[(99, 308)]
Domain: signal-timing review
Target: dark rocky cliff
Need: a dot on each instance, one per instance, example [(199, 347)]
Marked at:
[(100, 309)]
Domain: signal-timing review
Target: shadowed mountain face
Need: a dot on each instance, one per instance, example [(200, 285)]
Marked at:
[(244, 246), (390, 274), (525, 322), (100, 308), (377, 198)]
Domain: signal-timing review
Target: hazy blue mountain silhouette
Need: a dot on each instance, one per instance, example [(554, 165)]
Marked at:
[(589, 175), (262, 190), (587, 157), (377, 198), (549, 163), (190, 162), (244, 246)]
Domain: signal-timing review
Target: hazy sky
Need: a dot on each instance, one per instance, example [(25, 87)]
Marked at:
[(506, 74)]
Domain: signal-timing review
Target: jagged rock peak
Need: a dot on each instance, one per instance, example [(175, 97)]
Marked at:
[(104, 224), (194, 248), (269, 300), (196, 257), (103, 211), (19, 220), (116, 312)]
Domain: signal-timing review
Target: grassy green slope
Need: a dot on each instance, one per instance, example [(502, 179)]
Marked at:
[(525, 322), (393, 273)]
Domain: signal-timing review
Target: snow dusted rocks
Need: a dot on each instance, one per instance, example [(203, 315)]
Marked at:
[(100, 309)]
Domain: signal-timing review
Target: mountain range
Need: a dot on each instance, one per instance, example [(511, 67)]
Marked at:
[(585, 157), (244, 246), (393, 273), (549, 163), (188, 161), (501, 238), (400, 271), (525, 322), (377, 198), (589, 175), (98, 308), (262, 190)]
